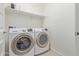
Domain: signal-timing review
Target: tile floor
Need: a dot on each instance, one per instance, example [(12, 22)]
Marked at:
[(50, 53)]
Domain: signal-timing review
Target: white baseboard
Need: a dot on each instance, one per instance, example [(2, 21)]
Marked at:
[(57, 52)]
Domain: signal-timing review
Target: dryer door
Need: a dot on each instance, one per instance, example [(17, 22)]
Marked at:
[(22, 44), (42, 39)]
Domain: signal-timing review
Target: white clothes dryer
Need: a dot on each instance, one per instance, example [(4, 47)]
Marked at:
[(21, 42), (41, 40)]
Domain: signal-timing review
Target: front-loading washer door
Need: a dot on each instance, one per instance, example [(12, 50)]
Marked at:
[(42, 39), (22, 44)]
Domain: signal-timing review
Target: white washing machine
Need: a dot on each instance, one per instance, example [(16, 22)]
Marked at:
[(21, 42), (41, 41), (2, 43)]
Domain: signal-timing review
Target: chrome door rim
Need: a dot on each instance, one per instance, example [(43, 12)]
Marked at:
[(14, 41), (37, 40)]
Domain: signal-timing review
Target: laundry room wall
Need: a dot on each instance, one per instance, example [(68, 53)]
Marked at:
[(2, 16), (77, 17), (77, 28), (36, 8), (60, 20), (24, 19)]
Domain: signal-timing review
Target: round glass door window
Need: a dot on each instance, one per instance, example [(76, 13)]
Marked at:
[(22, 44), (42, 40)]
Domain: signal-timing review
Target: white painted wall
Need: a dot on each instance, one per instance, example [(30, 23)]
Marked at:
[(77, 17), (60, 21), (77, 29), (2, 16), (2, 26), (20, 19), (2, 43), (36, 8)]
